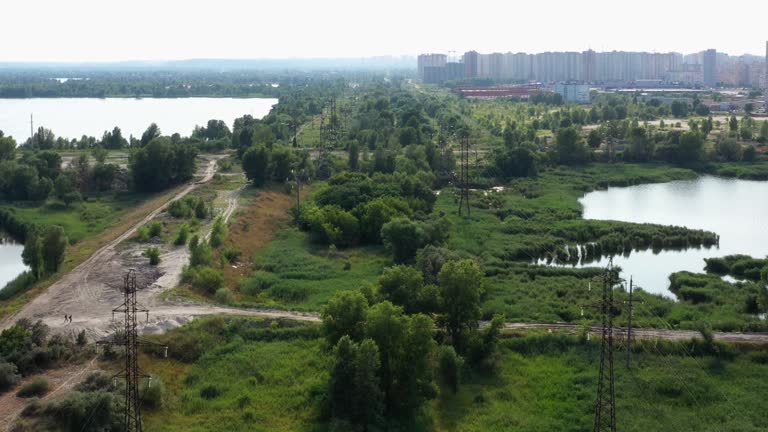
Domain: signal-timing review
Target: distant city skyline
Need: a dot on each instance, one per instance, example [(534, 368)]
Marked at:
[(98, 31)]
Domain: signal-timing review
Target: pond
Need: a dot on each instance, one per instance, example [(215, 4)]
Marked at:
[(737, 210), (75, 117), (11, 264)]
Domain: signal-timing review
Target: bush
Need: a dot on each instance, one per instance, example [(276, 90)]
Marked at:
[(208, 279), (210, 392), (96, 381), (182, 236), (231, 254), (201, 254), (155, 230), (260, 281), (9, 376), (142, 234), (22, 283), (218, 233), (153, 254), (37, 387), (449, 368), (151, 393), (224, 296)]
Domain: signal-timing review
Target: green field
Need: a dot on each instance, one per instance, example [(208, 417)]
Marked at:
[(269, 378)]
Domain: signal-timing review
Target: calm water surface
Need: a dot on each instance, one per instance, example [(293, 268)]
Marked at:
[(737, 210), (75, 117), (10, 259)]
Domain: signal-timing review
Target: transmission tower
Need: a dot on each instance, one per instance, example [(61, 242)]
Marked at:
[(464, 176), (630, 309), (605, 405), (130, 340)]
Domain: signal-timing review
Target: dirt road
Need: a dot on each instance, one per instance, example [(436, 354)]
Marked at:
[(92, 289)]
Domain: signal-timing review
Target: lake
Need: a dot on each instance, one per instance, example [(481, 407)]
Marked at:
[(10, 259), (737, 210), (75, 117)]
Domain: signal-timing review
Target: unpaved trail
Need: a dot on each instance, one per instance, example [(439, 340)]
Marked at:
[(90, 299), (61, 380)]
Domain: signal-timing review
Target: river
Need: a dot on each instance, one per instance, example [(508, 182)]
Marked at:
[(10, 259), (737, 210), (75, 117)]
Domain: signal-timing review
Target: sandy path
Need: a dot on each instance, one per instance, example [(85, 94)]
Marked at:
[(89, 299)]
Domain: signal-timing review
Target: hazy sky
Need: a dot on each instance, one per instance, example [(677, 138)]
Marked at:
[(108, 30)]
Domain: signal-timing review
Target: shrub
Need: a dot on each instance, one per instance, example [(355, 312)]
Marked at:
[(259, 282), (155, 230), (180, 209), (143, 234), (224, 296), (96, 381), (153, 254), (33, 408), (201, 253), (37, 387), (289, 293), (182, 236), (210, 392), (231, 254), (208, 279), (151, 393), (449, 368), (81, 339), (9, 376), (218, 232), (22, 283)]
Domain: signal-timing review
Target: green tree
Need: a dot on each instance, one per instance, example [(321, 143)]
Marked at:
[(368, 402), (690, 148), (280, 164), (449, 366), (403, 237), (461, 289), (594, 139), (152, 132), (32, 255), (570, 149), (402, 285), (160, 164), (54, 246), (7, 148), (764, 131), (733, 124), (354, 156), (344, 314), (256, 164), (99, 154)]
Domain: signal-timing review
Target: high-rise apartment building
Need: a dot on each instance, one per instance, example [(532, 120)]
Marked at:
[(709, 67), (471, 64), (430, 60)]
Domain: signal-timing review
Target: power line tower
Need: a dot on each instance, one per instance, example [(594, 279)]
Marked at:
[(130, 340), (464, 176), (605, 405), (630, 304)]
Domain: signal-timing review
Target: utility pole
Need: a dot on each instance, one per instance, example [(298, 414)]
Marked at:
[(131, 372), (605, 405), (464, 176), (630, 309), (31, 130)]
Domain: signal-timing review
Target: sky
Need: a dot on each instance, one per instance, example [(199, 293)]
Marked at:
[(109, 30)]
